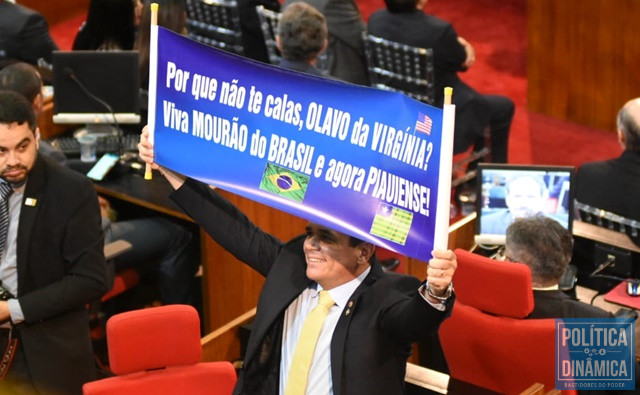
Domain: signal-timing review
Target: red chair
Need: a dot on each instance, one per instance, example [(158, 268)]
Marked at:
[(486, 341), (158, 351)]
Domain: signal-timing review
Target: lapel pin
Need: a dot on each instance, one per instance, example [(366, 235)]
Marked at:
[(30, 202)]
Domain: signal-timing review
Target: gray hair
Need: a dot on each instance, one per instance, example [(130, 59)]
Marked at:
[(303, 32), (542, 244)]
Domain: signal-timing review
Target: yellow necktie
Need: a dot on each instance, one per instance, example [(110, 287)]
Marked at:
[(303, 354)]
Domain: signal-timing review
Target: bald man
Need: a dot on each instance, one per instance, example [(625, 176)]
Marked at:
[(614, 185)]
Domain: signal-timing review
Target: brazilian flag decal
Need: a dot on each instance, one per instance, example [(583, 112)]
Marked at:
[(392, 223), (284, 182)]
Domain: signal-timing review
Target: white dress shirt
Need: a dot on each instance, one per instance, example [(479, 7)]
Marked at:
[(319, 381)]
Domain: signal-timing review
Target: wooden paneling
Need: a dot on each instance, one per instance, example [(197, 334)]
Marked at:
[(583, 59), (55, 11)]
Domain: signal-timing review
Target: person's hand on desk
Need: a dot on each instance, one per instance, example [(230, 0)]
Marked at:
[(145, 151)]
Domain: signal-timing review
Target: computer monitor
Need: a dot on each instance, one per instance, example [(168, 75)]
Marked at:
[(93, 87), (506, 192)]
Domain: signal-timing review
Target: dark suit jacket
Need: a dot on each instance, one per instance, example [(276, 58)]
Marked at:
[(252, 37), (24, 34), (557, 304), (345, 54), (612, 185), (302, 67), (61, 268), (373, 337), (426, 31)]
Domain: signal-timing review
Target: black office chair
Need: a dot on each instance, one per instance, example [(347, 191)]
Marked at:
[(269, 26), (400, 68), (215, 23)]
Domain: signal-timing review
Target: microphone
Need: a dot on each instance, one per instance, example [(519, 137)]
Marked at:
[(69, 73), (611, 260)]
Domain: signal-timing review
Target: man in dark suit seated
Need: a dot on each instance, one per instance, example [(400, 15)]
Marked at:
[(51, 261), (545, 246), (613, 185), (24, 34), (404, 21), (345, 54), (373, 317)]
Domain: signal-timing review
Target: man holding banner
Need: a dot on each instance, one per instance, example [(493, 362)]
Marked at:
[(372, 319)]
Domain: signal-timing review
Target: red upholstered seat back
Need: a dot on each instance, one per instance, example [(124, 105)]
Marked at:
[(158, 351), (153, 338), (495, 287), (485, 341), (502, 354)]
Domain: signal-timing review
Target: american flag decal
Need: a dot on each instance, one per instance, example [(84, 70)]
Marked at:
[(423, 124)]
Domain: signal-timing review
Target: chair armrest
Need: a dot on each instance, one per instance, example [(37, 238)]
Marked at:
[(116, 248), (427, 378), (223, 344)]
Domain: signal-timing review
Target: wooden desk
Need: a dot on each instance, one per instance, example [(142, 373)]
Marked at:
[(587, 295), (133, 188)]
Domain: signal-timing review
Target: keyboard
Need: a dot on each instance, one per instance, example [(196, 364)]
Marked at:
[(71, 148)]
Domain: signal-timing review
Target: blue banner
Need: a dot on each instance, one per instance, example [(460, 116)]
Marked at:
[(356, 159)]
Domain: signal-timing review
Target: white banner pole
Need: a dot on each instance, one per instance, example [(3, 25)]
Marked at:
[(441, 236), (153, 76)]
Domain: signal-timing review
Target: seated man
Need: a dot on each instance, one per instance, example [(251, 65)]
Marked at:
[(545, 246), (161, 246), (613, 185), (302, 36), (404, 21), (24, 34), (346, 60)]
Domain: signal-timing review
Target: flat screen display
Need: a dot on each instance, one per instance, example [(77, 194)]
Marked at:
[(113, 77), (506, 192)]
